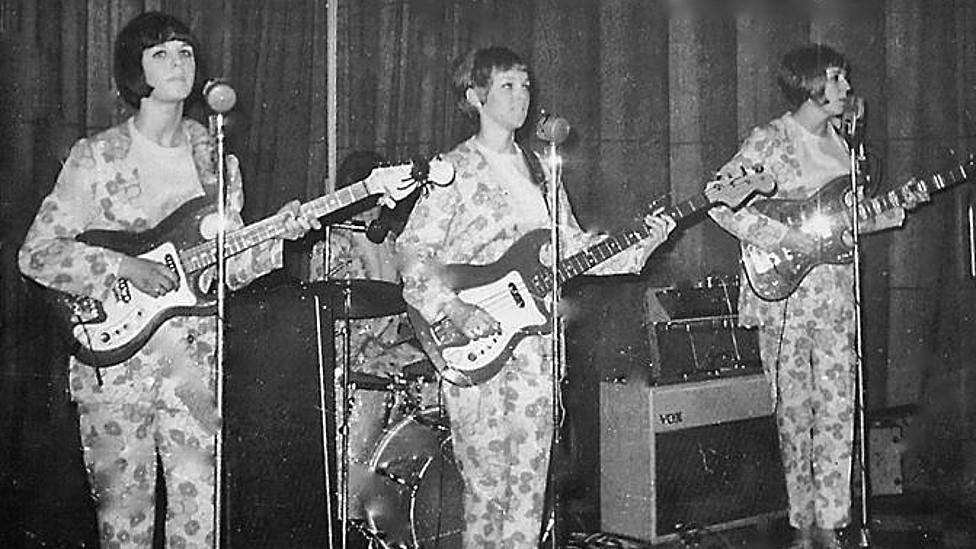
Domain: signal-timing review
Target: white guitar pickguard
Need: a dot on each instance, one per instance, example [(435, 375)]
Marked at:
[(129, 310), (510, 302)]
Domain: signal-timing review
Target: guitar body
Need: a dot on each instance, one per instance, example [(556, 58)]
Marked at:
[(504, 290), (109, 332), (516, 288), (825, 216)]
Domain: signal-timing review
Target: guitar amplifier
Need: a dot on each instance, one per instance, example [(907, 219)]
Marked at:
[(678, 458), (695, 335), (703, 348)]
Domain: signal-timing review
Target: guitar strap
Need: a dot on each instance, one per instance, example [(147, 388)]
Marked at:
[(538, 175)]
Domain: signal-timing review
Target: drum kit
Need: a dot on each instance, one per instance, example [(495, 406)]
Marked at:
[(402, 486)]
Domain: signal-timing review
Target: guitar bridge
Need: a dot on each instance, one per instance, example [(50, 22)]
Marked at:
[(445, 334)]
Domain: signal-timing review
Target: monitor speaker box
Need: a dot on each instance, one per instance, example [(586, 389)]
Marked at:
[(676, 458), (278, 453)]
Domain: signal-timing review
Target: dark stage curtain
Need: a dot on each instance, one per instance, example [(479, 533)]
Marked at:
[(658, 94)]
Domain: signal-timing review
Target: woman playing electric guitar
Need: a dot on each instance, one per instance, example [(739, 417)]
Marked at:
[(502, 429), (161, 401), (806, 340)]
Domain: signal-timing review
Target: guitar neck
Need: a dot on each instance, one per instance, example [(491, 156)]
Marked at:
[(583, 261), (872, 207), (205, 254)]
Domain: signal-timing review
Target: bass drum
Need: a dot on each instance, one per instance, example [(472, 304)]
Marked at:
[(414, 496)]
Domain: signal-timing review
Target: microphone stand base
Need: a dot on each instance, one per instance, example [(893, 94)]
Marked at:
[(864, 536)]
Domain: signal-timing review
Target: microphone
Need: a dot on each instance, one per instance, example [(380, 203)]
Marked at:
[(551, 128), (853, 113), (391, 220), (219, 95)]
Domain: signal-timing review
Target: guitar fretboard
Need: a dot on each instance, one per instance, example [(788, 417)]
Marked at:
[(895, 198), (205, 254), (585, 260)]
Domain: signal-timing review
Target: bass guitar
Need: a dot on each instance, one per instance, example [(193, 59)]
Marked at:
[(826, 216), (515, 288), (105, 333)]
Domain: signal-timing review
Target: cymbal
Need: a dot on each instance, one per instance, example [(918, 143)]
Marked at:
[(367, 298)]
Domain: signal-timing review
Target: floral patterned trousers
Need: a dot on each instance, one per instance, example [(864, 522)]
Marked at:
[(502, 431), (159, 402), (812, 366)]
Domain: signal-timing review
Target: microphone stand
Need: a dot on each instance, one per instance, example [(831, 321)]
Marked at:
[(555, 168), (217, 131), (856, 151)]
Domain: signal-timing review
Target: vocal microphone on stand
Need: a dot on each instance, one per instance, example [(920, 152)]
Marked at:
[(852, 115), (552, 128), (220, 96), (391, 220)]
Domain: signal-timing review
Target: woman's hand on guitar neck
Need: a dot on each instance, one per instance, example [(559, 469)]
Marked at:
[(473, 321), (149, 277), (660, 227), (297, 221)]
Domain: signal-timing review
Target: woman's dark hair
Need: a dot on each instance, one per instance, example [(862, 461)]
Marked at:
[(473, 71), (145, 31), (802, 74)]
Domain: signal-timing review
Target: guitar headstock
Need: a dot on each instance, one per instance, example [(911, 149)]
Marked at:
[(734, 189), (397, 182)]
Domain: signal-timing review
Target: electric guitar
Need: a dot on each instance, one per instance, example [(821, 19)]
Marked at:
[(108, 332), (826, 216), (515, 288)]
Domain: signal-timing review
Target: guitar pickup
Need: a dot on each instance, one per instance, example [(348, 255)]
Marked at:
[(516, 295), (171, 265), (122, 291)]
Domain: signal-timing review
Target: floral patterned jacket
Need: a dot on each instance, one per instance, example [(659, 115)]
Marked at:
[(100, 188), (801, 165), (473, 221)]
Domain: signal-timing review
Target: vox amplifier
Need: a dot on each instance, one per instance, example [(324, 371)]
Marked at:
[(675, 458)]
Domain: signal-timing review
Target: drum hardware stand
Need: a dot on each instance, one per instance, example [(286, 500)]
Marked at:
[(342, 373), (344, 430), (370, 535)]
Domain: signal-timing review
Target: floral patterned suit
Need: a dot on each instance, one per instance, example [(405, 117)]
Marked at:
[(806, 340), (160, 401), (502, 429)]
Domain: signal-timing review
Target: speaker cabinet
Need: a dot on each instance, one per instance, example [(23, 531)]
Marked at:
[(679, 457), (278, 455)]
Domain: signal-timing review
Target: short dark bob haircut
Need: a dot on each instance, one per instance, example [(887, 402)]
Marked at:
[(145, 31), (473, 71), (803, 72)]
